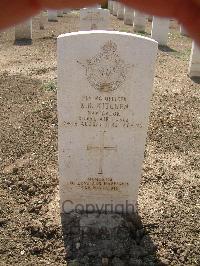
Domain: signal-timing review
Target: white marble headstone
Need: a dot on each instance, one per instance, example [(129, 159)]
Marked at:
[(66, 11), (94, 6), (115, 8), (103, 107), (120, 11), (194, 65), (150, 18), (139, 21), (183, 31), (94, 19), (52, 15), (42, 20), (24, 30), (160, 30), (60, 13), (110, 6), (128, 15)]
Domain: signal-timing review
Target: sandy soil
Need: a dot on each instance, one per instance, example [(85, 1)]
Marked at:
[(30, 227)]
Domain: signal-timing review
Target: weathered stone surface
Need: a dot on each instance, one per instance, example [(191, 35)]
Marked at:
[(103, 106)]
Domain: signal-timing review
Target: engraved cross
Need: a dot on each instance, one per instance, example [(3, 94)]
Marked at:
[(101, 148)]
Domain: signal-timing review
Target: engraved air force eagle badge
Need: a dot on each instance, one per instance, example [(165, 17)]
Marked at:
[(106, 71)]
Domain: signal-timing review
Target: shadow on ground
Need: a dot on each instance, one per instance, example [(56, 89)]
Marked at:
[(107, 239), (23, 42), (166, 48), (196, 79)]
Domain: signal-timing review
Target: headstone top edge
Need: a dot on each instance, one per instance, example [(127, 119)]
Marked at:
[(106, 32)]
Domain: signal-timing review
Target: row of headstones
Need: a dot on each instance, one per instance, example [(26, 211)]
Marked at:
[(24, 30), (97, 18), (159, 32), (160, 26)]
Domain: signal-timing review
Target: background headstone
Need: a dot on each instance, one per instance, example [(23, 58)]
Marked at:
[(160, 30), (110, 6), (183, 31), (103, 105), (194, 65), (24, 30), (120, 11), (150, 18), (94, 6), (128, 15), (42, 20), (94, 19), (115, 8), (52, 15), (66, 11), (60, 13), (139, 21)]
